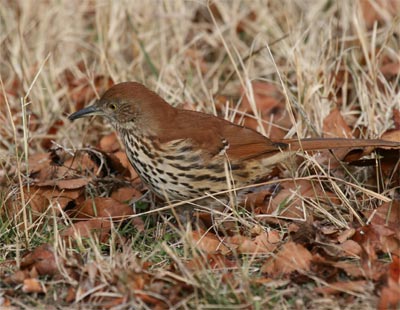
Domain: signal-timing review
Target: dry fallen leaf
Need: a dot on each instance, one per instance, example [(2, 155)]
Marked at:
[(100, 211), (291, 201), (391, 135), (42, 259), (33, 286), (291, 257), (390, 294), (104, 207), (125, 194), (38, 161), (351, 268), (335, 126), (17, 277), (66, 183), (109, 143), (344, 287), (350, 248), (121, 156), (71, 295), (212, 261), (270, 103), (390, 297), (345, 235), (40, 200), (379, 11), (394, 269), (266, 242), (208, 242), (377, 238), (390, 69), (85, 229), (70, 172)]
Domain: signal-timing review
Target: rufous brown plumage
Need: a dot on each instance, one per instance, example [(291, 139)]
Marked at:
[(181, 154)]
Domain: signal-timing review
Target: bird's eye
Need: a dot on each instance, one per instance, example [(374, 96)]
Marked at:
[(112, 106)]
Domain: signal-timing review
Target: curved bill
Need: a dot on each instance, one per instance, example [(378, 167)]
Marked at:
[(88, 111)]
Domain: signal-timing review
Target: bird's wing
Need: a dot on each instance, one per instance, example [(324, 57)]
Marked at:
[(216, 136), (245, 143)]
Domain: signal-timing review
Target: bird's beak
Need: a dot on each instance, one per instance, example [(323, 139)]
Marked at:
[(88, 111)]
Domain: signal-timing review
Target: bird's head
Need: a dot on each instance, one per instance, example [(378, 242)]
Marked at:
[(124, 104)]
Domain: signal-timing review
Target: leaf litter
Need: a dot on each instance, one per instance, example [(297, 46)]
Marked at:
[(88, 191), (59, 181)]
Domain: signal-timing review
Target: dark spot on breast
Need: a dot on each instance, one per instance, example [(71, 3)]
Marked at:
[(203, 189), (236, 166), (185, 149), (195, 166), (173, 157), (148, 153), (180, 167), (172, 176), (217, 179), (217, 168), (200, 177), (187, 185), (155, 144), (146, 175), (144, 167), (194, 158), (144, 144)]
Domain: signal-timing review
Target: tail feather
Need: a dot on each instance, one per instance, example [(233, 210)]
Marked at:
[(314, 144)]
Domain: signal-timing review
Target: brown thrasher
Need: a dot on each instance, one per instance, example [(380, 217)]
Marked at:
[(181, 154)]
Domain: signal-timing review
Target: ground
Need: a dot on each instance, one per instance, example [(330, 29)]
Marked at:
[(78, 228)]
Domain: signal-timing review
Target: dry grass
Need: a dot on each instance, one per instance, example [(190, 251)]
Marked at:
[(302, 46)]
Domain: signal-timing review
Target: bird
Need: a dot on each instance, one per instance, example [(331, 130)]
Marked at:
[(182, 154)]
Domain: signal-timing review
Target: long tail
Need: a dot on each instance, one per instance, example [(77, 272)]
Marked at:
[(314, 144)]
